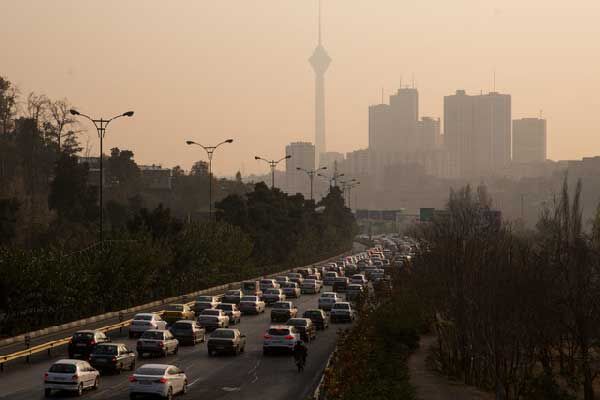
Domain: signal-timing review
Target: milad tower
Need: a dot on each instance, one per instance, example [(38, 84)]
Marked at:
[(320, 61)]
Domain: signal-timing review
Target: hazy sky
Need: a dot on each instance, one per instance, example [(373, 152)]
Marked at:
[(210, 70)]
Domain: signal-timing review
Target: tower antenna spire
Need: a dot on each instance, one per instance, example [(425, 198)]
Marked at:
[(320, 30)]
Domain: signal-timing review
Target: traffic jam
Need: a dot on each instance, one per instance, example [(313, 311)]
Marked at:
[(217, 323)]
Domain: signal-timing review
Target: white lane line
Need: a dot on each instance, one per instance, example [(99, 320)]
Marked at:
[(253, 369), (194, 382), (231, 389)]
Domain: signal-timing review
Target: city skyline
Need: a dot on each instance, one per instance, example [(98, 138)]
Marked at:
[(142, 70)]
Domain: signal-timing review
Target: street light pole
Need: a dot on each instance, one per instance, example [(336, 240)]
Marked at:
[(273, 165), (210, 151), (333, 179), (101, 125), (311, 174)]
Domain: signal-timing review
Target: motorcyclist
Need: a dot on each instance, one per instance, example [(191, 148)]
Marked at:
[(300, 351)]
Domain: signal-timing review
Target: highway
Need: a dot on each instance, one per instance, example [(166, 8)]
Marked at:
[(247, 376)]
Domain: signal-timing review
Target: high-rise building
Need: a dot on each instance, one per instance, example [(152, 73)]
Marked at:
[(393, 127), (303, 156), (320, 61), (529, 140), (428, 134), (477, 133), (329, 158)]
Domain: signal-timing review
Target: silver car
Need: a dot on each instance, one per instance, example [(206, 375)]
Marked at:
[(70, 375), (157, 379), (280, 338), (157, 341), (327, 300), (272, 296), (145, 321)]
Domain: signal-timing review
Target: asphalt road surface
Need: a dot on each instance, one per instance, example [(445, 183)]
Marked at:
[(247, 376)]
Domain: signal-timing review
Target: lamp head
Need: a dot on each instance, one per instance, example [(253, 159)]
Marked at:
[(189, 142), (323, 168), (73, 111), (288, 156), (229, 141), (256, 157), (128, 114)]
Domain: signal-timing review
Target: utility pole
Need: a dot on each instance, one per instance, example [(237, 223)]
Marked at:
[(311, 175)]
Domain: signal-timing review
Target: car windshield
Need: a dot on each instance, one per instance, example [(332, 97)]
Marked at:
[(282, 306), (331, 274), (150, 371), (152, 335), (205, 317), (328, 295), (249, 298), (297, 322), (106, 349), (225, 307), (313, 314), (175, 307), (83, 335), (266, 282), (279, 331), (272, 291), (341, 306), (205, 299), (182, 325), (143, 317), (223, 334), (233, 293), (211, 312), (63, 368)]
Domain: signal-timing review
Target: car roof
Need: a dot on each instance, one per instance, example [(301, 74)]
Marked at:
[(157, 330), (69, 361), (144, 313), (299, 319), (280, 327), (186, 321), (87, 331), (161, 366), (342, 302), (225, 329)]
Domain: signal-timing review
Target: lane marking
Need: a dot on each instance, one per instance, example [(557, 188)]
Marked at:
[(231, 389), (194, 382)]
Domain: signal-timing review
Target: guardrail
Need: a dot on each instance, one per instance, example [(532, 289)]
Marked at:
[(48, 346)]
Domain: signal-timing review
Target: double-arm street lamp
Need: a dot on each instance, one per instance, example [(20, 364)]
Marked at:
[(311, 175), (348, 186), (101, 125), (273, 165), (210, 150), (333, 179)]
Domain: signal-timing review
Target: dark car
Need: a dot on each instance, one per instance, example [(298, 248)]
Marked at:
[(340, 284), (282, 311), (318, 317), (232, 296), (188, 332), (112, 357), (305, 327), (83, 342), (226, 340)]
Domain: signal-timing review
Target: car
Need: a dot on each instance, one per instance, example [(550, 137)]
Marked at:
[(157, 379), (342, 311), (205, 302), (112, 357), (354, 292), (232, 296), (213, 319), (296, 277), (358, 279), (157, 342), (83, 342), (251, 288), (305, 271), (318, 317), (145, 321), (252, 305), (272, 296), (311, 286), (340, 284), (305, 327), (377, 275), (232, 311), (268, 284), (280, 338), (329, 277), (316, 276), (176, 312), (282, 311), (291, 290), (327, 300), (70, 375), (226, 341), (188, 332), (282, 279)]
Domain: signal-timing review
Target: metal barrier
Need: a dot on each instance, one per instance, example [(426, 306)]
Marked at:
[(48, 346)]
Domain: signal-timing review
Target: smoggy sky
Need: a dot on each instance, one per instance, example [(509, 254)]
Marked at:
[(210, 70)]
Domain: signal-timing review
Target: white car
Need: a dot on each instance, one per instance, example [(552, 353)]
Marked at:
[(359, 279), (330, 277), (145, 321), (342, 312), (157, 379), (280, 337), (311, 286), (213, 319), (327, 300), (70, 375)]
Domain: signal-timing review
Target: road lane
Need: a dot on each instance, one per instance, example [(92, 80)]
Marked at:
[(247, 376)]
